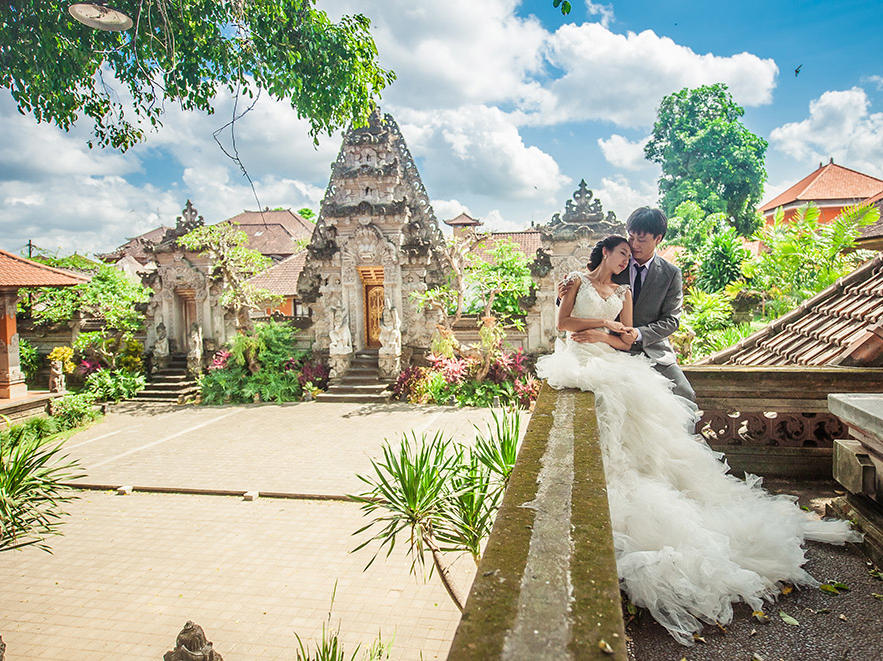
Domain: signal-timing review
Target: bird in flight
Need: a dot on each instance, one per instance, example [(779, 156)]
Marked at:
[(797, 71)]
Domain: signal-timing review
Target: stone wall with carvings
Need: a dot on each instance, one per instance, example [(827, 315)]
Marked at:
[(375, 225)]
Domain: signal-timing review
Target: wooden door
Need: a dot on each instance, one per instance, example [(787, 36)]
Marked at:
[(373, 314)]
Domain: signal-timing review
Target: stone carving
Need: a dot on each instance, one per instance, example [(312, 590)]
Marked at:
[(161, 347), (194, 352), (2, 648), (340, 348), (541, 265), (323, 243), (191, 645), (582, 216), (775, 428), (389, 355), (187, 221), (56, 376)]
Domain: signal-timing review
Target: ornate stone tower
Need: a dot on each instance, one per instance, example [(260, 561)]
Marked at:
[(376, 241)]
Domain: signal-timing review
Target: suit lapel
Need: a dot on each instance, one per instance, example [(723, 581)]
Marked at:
[(653, 276)]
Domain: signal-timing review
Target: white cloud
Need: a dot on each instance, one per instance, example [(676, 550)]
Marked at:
[(447, 209), (477, 149), (877, 80), (839, 125), (622, 153), (622, 195), (495, 222), (605, 12), (622, 77)]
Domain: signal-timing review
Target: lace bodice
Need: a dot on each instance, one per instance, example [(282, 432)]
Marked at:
[(589, 304)]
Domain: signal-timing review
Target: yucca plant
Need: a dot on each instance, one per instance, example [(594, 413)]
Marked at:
[(498, 448), (408, 492), (31, 493)]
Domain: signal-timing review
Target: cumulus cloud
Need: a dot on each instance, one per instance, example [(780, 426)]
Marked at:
[(622, 77), (622, 195), (876, 80), (840, 125), (603, 12), (622, 153), (477, 149)]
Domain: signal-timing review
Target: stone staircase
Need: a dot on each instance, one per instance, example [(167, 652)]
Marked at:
[(361, 384), (171, 384)]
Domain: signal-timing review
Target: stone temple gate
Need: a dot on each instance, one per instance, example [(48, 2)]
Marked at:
[(376, 242)]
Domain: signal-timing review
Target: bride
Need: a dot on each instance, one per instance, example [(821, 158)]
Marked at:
[(689, 539)]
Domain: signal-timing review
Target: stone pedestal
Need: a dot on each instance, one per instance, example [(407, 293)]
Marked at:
[(12, 379), (858, 465)]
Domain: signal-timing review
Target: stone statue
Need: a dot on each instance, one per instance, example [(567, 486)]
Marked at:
[(56, 376), (194, 353), (191, 645), (339, 334), (161, 347), (389, 355)]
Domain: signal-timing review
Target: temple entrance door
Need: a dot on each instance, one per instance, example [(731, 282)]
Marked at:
[(373, 315), (186, 303)]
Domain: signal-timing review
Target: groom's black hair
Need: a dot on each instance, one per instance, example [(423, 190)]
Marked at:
[(647, 220)]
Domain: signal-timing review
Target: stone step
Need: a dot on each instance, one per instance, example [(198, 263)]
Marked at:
[(356, 388), (183, 377), (355, 379), (173, 386), (153, 394), (328, 398)]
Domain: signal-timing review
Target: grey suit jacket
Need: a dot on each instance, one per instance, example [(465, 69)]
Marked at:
[(658, 309)]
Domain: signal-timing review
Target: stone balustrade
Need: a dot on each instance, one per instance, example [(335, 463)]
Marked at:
[(547, 586), (775, 420)]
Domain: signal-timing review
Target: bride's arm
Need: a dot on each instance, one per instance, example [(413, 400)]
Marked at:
[(568, 323)]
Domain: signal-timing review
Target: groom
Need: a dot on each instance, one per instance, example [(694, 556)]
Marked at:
[(657, 295)]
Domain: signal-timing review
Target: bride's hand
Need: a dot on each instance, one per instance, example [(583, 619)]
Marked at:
[(590, 335), (615, 326), (630, 335), (564, 287)]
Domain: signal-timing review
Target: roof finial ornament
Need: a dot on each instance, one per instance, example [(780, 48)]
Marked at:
[(831, 161)]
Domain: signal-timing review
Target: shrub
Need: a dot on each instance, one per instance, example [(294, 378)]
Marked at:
[(721, 260), (30, 358), (73, 410), (316, 373), (66, 356), (114, 385)]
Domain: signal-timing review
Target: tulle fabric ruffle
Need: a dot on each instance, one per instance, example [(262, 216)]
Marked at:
[(689, 539)]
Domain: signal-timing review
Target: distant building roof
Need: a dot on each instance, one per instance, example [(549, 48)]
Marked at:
[(528, 242), (16, 271), (828, 182), (463, 220), (872, 235), (273, 232), (842, 325), (136, 247), (281, 279)]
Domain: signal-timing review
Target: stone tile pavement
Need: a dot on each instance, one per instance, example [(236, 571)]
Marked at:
[(307, 448), (131, 570)]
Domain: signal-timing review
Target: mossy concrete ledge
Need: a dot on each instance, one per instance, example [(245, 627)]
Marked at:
[(547, 586)]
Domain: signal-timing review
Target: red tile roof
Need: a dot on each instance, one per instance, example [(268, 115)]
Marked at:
[(528, 242), (842, 325), (281, 279), (16, 271), (829, 182), (273, 232)]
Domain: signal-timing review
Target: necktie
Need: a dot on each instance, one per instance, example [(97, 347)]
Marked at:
[(639, 276)]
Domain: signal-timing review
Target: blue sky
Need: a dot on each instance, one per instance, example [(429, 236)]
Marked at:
[(505, 106)]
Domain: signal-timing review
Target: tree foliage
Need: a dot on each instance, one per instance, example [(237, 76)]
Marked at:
[(707, 155), (803, 256), (186, 51), (109, 295), (234, 263)]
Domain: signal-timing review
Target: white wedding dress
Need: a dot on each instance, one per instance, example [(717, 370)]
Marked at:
[(689, 539)]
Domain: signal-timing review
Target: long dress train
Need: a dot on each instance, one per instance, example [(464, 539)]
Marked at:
[(689, 539)]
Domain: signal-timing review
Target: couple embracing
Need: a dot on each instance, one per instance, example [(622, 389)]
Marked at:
[(690, 539)]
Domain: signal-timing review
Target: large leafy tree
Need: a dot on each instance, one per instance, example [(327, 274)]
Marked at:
[(186, 51), (708, 156)]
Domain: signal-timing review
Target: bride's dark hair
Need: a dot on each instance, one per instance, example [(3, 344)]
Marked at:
[(609, 242)]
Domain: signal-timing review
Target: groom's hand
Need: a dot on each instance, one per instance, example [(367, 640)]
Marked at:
[(630, 335), (590, 335), (564, 287)]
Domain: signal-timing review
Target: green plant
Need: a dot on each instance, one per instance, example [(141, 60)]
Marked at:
[(498, 447), (30, 358), (725, 337), (114, 385), (721, 260), (65, 355), (32, 493), (706, 311), (73, 410)]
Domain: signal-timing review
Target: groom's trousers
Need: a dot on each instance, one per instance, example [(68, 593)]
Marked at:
[(674, 374)]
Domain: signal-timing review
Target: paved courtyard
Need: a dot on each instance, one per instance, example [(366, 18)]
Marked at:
[(131, 570)]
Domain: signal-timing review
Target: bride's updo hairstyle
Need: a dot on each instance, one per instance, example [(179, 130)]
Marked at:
[(597, 254)]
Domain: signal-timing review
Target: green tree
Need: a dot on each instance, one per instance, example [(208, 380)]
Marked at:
[(234, 263), (708, 156), (186, 51), (496, 281), (307, 214)]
